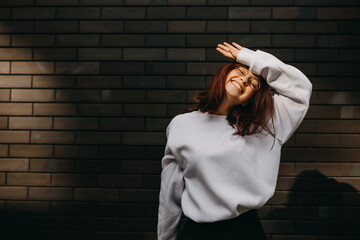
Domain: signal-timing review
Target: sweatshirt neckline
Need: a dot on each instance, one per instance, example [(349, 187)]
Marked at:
[(213, 115)]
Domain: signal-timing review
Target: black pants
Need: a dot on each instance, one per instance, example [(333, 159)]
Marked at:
[(246, 226)]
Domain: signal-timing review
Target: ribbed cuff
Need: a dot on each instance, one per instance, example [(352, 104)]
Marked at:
[(245, 56)]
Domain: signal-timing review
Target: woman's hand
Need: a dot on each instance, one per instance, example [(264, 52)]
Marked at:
[(228, 50)]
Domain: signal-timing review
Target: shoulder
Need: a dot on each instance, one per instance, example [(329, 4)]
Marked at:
[(182, 118)]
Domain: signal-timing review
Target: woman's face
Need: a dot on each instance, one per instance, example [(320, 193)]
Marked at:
[(238, 89)]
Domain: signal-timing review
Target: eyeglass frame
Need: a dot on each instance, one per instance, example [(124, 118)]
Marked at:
[(249, 80)]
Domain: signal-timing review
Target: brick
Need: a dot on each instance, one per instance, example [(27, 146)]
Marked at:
[(55, 53), (53, 81), (51, 165), (100, 54), (50, 193), (338, 41), (80, 40), (272, 26), (64, 123), (140, 167), (99, 81), (317, 54), (249, 13), (207, 12), (23, 150), (337, 13), (139, 195), (75, 95), (28, 179), (165, 12), (204, 40), (186, 54), (228, 26), (101, 26), (143, 138), (185, 82), (13, 164), (250, 40), (148, 26), (165, 40), (294, 40), (165, 68), (56, 26), (33, 13), (32, 67), (187, 26), (348, 26), (15, 108), (144, 81), (122, 95), (54, 109), (4, 95), (56, 2), (126, 181), (268, 2), (15, 54), (293, 12), (77, 67), (5, 39), (73, 208), (316, 27), (28, 207), (333, 126), (77, 12), (328, 2), (122, 124), (333, 83), (334, 98), (100, 109), (33, 40), (4, 150), (349, 112), (85, 194), (14, 136), (5, 67), (73, 180), (32, 95), (123, 40), (198, 68), (98, 137), (3, 122), (122, 67), (15, 81), (30, 123), (18, 193), (123, 12), (5, 13), (145, 109), (74, 151), (326, 140), (169, 96), (53, 137), (102, 3), (184, 2), (145, 54), (16, 26), (96, 166)]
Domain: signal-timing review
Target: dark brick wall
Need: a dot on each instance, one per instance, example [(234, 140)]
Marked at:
[(87, 88)]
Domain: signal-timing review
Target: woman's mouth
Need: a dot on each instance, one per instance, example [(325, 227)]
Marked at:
[(235, 83)]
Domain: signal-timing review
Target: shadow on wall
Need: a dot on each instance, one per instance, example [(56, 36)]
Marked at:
[(318, 207)]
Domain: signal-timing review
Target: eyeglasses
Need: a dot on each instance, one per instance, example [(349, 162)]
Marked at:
[(253, 82)]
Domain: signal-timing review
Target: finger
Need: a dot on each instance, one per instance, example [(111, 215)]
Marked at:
[(229, 46), (223, 47), (237, 45), (222, 51)]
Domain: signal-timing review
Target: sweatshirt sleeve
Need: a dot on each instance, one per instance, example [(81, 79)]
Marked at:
[(172, 186), (293, 89)]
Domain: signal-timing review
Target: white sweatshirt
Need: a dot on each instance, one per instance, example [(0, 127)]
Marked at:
[(211, 175)]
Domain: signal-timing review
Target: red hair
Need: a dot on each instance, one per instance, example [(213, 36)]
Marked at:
[(249, 119)]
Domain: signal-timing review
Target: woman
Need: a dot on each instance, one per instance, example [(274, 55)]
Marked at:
[(222, 160)]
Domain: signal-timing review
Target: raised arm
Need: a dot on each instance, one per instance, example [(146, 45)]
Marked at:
[(172, 186), (293, 89)]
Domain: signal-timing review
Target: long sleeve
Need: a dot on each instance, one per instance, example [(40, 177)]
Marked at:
[(172, 185), (293, 89)]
